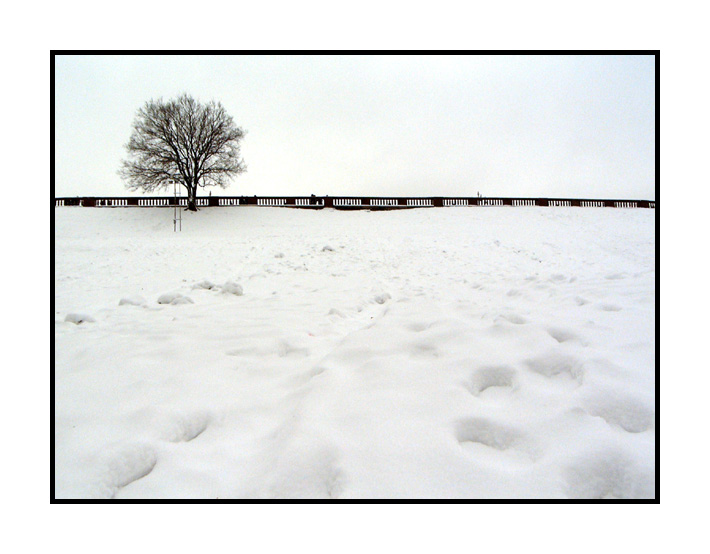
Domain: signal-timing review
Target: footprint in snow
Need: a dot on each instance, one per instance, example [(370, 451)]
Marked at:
[(486, 432), (608, 475), (186, 427), (125, 464), (557, 365), (562, 335), (313, 473), (623, 410), (491, 376)]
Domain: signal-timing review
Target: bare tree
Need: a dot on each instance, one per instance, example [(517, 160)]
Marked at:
[(185, 141)]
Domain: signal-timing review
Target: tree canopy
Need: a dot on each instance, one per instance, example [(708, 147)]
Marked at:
[(184, 141)]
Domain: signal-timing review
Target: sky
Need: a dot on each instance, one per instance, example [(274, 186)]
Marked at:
[(393, 125)]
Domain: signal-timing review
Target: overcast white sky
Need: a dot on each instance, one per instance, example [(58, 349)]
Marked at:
[(576, 126)]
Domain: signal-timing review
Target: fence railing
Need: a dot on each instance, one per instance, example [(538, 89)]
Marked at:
[(419, 202), (228, 202), (345, 202), (271, 202), (383, 202), (626, 204)]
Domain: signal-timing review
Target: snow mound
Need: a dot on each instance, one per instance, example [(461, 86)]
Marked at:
[(174, 298), (182, 300), (232, 288), (132, 301), (79, 318), (208, 285)]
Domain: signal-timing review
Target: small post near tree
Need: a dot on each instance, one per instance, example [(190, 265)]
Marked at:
[(182, 141), (177, 213)]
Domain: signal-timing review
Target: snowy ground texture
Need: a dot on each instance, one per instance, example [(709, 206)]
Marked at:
[(431, 353)]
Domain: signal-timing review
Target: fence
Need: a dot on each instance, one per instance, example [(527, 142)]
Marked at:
[(626, 204), (346, 202), (383, 202), (271, 202), (350, 202), (228, 202), (419, 202)]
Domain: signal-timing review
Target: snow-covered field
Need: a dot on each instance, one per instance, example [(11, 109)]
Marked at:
[(430, 353)]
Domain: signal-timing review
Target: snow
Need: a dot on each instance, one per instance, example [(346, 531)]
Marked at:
[(135, 300), (174, 298), (232, 288), (78, 319), (433, 353)]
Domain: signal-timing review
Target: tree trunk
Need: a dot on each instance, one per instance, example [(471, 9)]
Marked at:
[(191, 198)]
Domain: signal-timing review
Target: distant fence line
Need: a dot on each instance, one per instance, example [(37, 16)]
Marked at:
[(344, 202)]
